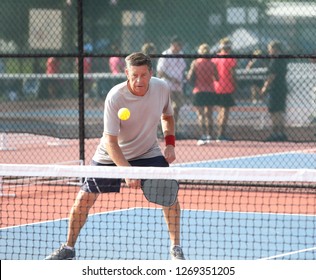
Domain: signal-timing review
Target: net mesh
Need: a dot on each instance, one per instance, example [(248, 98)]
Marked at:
[(227, 214)]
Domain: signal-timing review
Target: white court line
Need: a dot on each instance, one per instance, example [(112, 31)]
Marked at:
[(246, 157), (246, 212), (154, 208), (290, 253), (63, 219)]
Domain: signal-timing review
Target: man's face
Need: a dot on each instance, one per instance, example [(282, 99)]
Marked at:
[(138, 79)]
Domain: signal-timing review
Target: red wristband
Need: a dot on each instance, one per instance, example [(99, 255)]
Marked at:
[(170, 140)]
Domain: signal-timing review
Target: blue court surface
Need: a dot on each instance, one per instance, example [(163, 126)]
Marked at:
[(140, 233), (282, 160)]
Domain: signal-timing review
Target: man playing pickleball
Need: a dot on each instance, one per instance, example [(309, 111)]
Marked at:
[(131, 142)]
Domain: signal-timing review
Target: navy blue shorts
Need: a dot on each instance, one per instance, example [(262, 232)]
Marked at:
[(204, 98), (107, 185), (225, 100)]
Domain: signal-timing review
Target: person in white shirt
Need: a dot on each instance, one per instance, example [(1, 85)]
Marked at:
[(172, 71)]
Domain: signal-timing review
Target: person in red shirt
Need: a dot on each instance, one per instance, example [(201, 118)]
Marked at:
[(116, 63), (53, 67), (203, 71), (224, 87)]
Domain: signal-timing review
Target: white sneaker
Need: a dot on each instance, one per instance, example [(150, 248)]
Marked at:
[(205, 139)]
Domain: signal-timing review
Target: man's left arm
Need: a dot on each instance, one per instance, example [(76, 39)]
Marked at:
[(168, 128)]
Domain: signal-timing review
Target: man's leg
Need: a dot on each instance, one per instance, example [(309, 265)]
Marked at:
[(172, 218), (78, 215)]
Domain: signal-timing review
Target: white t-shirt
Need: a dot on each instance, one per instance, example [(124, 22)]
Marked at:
[(174, 68), (137, 136)]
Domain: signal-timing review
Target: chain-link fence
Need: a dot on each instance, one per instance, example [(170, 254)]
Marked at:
[(58, 60)]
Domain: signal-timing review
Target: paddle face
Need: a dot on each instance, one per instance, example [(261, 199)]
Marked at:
[(160, 191)]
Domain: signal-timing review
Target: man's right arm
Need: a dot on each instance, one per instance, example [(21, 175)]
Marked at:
[(114, 150), (116, 154)]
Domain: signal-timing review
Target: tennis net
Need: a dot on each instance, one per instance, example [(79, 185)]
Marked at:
[(227, 214)]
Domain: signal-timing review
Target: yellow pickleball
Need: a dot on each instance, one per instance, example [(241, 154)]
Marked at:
[(123, 114)]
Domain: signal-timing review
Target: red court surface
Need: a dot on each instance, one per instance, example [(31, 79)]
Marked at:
[(42, 203)]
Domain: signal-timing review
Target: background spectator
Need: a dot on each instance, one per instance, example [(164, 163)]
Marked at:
[(116, 64), (172, 71), (53, 67), (203, 72), (276, 86), (224, 87), (148, 49)]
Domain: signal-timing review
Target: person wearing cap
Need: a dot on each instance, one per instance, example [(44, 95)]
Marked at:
[(172, 71), (224, 87)]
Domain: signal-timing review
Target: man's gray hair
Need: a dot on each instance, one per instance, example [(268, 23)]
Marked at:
[(138, 59)]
